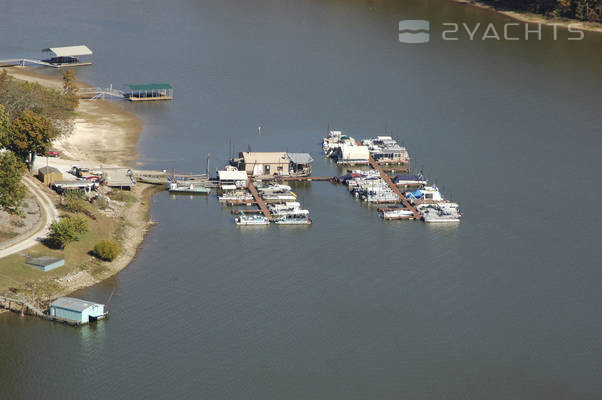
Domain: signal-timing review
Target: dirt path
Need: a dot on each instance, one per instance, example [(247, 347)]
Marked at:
[(49, 215)]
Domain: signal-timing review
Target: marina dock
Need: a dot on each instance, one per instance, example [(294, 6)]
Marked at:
[(56, 57), (394, 188), (259, 201)]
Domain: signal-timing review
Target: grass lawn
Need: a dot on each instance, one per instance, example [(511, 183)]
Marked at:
[(14, 272)]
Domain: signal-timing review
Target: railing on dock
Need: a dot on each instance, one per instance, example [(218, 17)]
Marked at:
[(100, 93)]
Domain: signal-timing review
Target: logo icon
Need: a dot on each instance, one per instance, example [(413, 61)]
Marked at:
[(413, 31)]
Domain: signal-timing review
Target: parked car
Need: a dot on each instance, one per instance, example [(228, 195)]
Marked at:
[(50, 153)]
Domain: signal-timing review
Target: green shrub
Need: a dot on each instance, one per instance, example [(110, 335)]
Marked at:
[(107, 250), (66, 230), (74, 201)]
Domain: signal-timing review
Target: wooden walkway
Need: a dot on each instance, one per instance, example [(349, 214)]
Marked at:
[(394, 188), (259, 201)]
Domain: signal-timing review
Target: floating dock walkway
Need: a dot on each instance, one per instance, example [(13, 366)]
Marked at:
[(259, 200), (392, 185), (394, 188), (22, 62)]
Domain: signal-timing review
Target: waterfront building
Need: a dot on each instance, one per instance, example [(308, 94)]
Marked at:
[(122, 178), (49, 175), (263, 163), (232, 178), (76, 310), (352, 154), (300, 164), (276, 163)]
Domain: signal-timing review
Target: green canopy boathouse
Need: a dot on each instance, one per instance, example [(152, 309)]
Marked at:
[(149, 92)]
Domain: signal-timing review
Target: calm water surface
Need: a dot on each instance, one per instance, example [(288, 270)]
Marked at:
[(506, 305)]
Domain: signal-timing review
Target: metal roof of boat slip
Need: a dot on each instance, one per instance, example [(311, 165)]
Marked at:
[(150, 86), (69, 51), (300, 158), (71, 303)]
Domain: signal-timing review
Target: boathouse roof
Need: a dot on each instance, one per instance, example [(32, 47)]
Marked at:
[(232, 175), (149, 86), (69, 51), (44, 261), (265, 157), (48, 170), (71, 303), (300, 158)]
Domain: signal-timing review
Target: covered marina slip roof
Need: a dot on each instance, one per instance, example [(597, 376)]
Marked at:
[(232, 175), (300, 158), (149, 86), (149, 92), (69, 51)]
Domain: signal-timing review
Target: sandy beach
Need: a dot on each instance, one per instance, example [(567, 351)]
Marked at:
[(103, 132)]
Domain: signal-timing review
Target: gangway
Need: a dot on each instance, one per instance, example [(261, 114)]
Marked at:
[(100, 93), (22, 62)]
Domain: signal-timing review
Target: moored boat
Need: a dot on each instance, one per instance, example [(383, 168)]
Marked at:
[(188, 189), (293, 220), (235, 196), (440, 213), (396, 214), (251, 220)]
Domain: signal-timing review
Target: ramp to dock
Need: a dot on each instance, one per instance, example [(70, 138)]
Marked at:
[(394, 187), (23, 62), (259, 200)]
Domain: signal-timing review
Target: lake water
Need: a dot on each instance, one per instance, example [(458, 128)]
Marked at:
[(507, 305)]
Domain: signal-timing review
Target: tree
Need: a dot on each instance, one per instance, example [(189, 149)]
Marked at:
[(12, 191), (5, 126), (68, 229), (17, 96), (70, 88), (31, 133)]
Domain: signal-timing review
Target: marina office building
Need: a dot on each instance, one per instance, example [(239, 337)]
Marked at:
[(279, 163)]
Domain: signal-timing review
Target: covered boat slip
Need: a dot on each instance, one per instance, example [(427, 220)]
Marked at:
[(66, 56), (149, 92)]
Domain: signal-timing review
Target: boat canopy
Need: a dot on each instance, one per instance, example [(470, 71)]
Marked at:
[(406, 177), (149, 86), (416, 194), (69, 51), (300, 158)]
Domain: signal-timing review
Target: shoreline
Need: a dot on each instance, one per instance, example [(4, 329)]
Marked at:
[(104, 132), (528, 17)]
